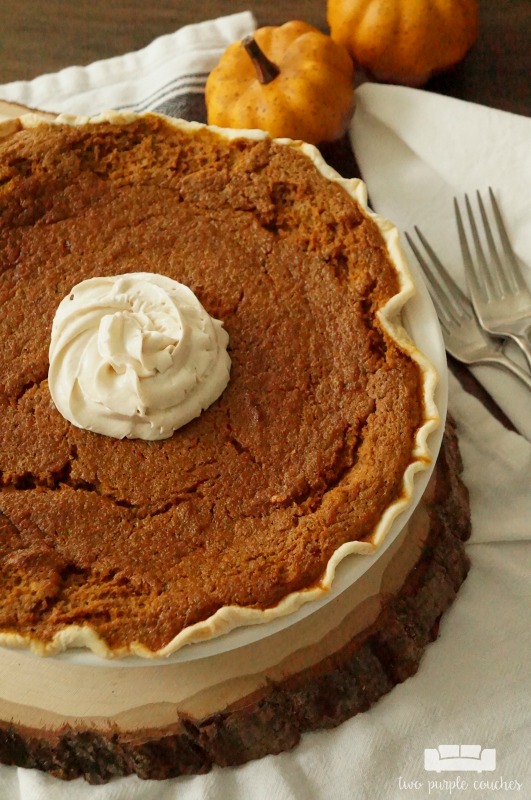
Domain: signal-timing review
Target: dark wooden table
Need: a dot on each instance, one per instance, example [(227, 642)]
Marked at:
[(38, 37)]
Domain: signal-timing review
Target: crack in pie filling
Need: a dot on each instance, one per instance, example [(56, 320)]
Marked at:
[(128, 546)]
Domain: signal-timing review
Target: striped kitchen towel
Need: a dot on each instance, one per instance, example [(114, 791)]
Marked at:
[(167, 76)]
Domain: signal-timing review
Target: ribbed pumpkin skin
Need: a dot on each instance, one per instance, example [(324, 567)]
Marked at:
[(404, 41), (310, 99)]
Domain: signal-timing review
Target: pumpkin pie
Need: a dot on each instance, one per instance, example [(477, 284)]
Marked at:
[(129, 546)]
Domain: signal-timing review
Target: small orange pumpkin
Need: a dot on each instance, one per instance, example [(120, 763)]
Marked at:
[(291, 81), (401, 41)]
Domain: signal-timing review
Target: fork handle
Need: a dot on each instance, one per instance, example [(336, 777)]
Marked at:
[(523, 343), (501, 360)]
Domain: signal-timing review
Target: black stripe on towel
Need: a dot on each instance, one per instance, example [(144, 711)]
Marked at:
[(190, 106), (176, 86)]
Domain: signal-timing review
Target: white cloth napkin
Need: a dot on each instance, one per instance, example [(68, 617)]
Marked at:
[(473, 685), (416, 151)]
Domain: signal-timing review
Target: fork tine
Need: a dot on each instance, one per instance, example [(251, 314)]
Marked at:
[(470, 268), (439, 301), (446, 295), (451, 288), (483, 273), (443, 309), (513, 279), (496, 272)]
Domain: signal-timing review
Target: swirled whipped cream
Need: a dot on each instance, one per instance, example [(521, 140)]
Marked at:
[(135, 356)]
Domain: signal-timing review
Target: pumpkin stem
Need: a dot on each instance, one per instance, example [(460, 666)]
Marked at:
[(266, 71)]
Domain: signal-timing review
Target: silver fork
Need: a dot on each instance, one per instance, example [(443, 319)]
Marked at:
[(497, 288), (463, 337)]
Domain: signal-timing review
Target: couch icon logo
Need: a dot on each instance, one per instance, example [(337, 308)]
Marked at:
[(459, 757)]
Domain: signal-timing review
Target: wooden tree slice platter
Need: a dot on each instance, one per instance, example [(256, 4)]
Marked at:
[(170, 719)]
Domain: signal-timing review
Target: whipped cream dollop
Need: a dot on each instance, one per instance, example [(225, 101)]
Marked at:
[(135, 356)]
